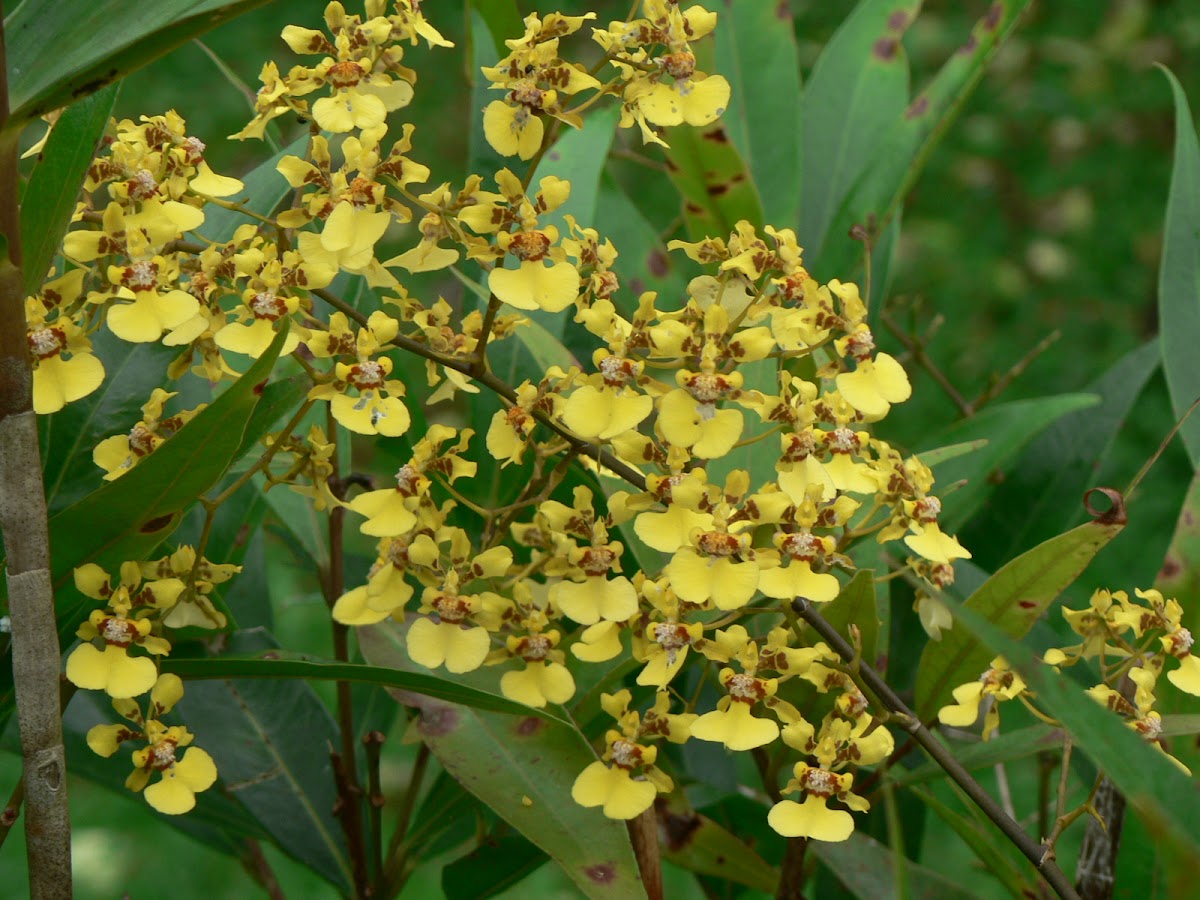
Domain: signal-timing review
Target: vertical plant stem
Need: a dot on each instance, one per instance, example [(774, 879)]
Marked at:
[(643, 835), (791, 875), (373, 741), (1096, 872), (35, 653), (349, 790)]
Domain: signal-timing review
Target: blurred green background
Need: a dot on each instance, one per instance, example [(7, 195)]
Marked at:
[(1041, 211)]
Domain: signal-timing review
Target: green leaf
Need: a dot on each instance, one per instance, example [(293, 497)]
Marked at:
[(1007, 427), (54, 183), (1179, 577), (501, 760), (270, 739), (57, 55), (1041, 492), (856, 605), (865, 867), (901, 154), (481, 158), (939, 455), (578, 156), (857, 89), (447, 818), (1179, 274), (712, 180), (1181, 725), (985, 840), (218, 820), (503, 20), (491, 868), (1010, 601), (698, 844), (264, 190), (276, 400), (283, 664), (756, 52), (129, 516)]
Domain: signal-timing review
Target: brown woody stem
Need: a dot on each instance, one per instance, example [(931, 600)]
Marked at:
[(36, 659)]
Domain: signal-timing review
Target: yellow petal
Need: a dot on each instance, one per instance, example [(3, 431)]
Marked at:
[(735, 727), (670, 530), (703, 101), (964, 712), (214, 185), (598, 643), (105, 740), (733, 583), (347, 110), (538, 683), (536, 285), (385, 511), (58, 381), (432, 644), (176, 793), (811, 819), (797, 579), (603, 414), (595, 598), (352, 609), (512, 130), (614, 789), (678, 418), (928, 542), (112, 670), (1187, 676)]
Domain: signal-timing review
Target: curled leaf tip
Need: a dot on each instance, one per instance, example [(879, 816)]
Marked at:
[(1114, 515)]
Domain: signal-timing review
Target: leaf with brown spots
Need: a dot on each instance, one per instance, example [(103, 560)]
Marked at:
[(899, 154), (711, 175), (696, 843), (858, 88)]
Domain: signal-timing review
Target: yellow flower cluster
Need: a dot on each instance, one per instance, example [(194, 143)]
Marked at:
[(1130, 641), (681, 567), (147, 599), (656, 79)]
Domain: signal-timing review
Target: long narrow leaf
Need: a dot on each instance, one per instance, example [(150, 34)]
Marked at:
[(1010, 601), (756, 52), (278, 664), (54, 184), (901, 155), (858, 88), (1179, 274), (96, 43)]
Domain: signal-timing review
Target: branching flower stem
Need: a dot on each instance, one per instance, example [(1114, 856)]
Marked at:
[(349, 790), (1036, 853)]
